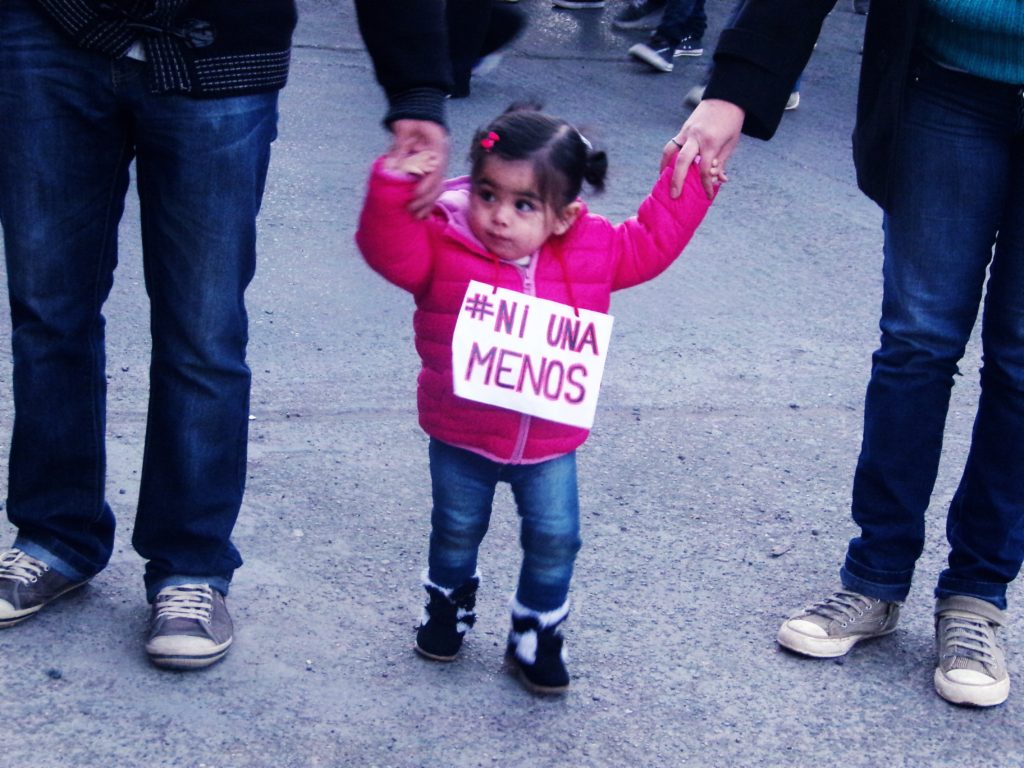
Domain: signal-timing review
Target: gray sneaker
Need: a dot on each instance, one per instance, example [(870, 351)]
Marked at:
[(833, 626), (972, 669), (26, 585), (189, 627)]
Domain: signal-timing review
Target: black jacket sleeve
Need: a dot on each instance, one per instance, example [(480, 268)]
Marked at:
[(759, 58), (408, 42)]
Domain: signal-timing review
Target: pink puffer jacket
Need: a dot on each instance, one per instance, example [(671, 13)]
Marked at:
[(435, 258)]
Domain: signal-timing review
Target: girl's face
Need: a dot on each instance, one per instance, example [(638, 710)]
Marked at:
[(507, 213)]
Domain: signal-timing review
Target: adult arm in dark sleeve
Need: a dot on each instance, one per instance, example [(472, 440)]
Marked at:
[(759, 58), (757, 61), (408, 43)]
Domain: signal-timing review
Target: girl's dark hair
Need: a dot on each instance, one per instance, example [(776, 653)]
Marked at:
[(562, 159)]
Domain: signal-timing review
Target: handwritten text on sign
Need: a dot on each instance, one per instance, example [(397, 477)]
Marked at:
[(530, 355)]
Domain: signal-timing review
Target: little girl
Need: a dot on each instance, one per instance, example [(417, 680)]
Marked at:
[(515, 222)]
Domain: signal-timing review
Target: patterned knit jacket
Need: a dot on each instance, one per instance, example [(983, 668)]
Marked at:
[(204, 48), (434, 259)]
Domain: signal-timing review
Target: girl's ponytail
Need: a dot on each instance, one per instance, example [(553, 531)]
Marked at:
[(596, 169)]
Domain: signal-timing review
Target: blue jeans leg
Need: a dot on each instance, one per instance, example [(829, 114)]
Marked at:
[(463, 486), (547, 500), (63, 177), (75, 120), (202, 166), (985, 525), (940, 229)]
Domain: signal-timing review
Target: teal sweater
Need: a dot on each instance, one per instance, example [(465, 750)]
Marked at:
[(982, 37)]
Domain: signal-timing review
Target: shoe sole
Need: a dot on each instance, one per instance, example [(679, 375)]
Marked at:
[(649, 57), (544, 690), (19, 616), (965, 695), (821, 647), (185, 662), (433, 656), (694, 52)]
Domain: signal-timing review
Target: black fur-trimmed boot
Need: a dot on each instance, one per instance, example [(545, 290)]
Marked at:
[(447, 616), (537, 649)]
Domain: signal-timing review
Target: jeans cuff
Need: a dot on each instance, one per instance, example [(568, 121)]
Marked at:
[(982, 590), (60, 565), (878, 584), (975, 605)]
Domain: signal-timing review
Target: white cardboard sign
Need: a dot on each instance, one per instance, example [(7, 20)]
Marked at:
[(529, 355)]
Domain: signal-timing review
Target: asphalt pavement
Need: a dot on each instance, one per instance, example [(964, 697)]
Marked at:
[(715, 486)]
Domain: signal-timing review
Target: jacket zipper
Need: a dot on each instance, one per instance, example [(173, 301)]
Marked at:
[(529, 288)]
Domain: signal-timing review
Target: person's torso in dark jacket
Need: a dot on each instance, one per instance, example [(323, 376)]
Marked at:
[(201, 48)]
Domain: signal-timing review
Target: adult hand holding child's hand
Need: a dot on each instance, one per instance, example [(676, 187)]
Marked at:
[(411, 138), (418, 164)]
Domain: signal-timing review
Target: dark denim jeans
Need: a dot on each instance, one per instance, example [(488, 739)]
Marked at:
[(957, 214), (72, 122), (548, 503), (682, 18)]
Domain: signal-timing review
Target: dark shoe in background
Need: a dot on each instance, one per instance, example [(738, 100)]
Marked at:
[(689, 46), (639, 14), (657, 53)]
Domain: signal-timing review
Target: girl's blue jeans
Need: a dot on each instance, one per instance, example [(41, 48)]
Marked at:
[(956, 216), (71, 122), (548, 504)]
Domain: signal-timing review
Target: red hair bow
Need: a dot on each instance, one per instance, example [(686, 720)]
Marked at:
[(488, 141)]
